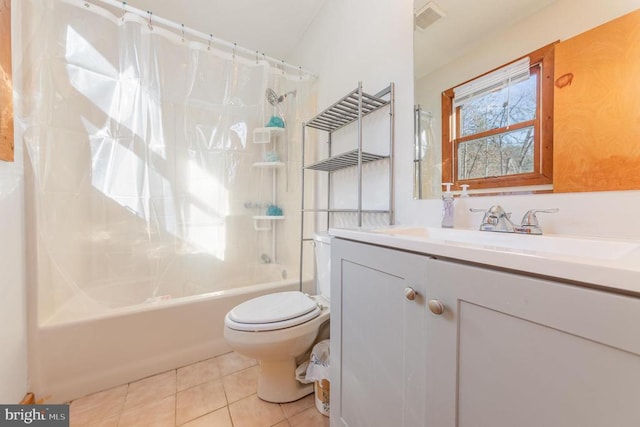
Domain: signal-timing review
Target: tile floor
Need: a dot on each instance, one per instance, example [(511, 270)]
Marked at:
[(217, 392)]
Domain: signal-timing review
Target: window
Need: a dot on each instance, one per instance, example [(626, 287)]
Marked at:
[(497, 129)]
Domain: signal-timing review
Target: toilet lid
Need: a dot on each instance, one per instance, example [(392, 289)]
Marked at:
[(272, 308), (273, 326)]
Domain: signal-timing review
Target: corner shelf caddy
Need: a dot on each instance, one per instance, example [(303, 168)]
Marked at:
[(350, 109), (264, 136)]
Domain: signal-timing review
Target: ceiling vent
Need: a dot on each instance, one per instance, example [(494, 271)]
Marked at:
[(428, 15)]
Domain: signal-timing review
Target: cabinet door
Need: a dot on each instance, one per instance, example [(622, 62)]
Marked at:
[(377, 337), (512, 351)]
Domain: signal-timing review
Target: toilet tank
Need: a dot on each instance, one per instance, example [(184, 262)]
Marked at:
[(323, 264)]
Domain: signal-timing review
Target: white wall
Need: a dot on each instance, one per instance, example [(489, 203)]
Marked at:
[(359, 40), (13, 317), (372, 42), (13, 329), (356, 40)]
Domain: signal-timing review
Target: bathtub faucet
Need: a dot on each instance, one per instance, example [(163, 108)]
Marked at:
[(265, 258)]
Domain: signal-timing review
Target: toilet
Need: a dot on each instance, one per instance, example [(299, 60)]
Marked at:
[(279, 330)]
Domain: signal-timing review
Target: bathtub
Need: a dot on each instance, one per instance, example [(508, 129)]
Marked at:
[(81, 351)]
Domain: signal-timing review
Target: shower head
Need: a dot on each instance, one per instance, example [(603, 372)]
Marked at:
[(273, 97)]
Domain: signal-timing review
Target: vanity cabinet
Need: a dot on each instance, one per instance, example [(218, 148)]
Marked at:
[(378, 346), (511, 350), (508, 349)]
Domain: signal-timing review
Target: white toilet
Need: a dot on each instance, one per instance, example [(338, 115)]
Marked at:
[(279, 330)]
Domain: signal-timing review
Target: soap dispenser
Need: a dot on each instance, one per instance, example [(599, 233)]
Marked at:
[(447, 206), (465, 191)]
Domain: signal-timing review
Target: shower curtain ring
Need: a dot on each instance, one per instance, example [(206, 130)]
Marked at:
[(210, 40), (282, 66), (257, 57), (182, 33), (124, 9), (233, 55), (300, 70), (150, 24)]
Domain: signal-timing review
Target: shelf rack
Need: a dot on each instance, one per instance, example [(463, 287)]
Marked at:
[(349, 109), (344, 160), (353, 106), (265, 219), (266, 134), (268, 137)]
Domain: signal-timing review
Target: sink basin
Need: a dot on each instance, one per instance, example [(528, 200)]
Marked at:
[(582, 247)]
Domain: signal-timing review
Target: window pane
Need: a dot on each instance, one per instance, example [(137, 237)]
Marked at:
[(503, 107), (509, 153)]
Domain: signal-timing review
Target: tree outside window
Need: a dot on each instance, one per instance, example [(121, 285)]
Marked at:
[(501, 136)]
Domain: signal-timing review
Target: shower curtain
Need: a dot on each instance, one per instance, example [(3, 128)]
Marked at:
[(139, 152)]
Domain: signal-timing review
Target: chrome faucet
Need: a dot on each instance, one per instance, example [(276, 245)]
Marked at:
[(496, 219), (530, 224)]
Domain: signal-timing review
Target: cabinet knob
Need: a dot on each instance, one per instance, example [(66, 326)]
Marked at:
[(436, 306), (410, 294)]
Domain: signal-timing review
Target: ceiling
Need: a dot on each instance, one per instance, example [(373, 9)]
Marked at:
[(275, 27), (272, 27)]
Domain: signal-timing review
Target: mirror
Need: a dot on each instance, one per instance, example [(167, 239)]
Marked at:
[(596, 124)]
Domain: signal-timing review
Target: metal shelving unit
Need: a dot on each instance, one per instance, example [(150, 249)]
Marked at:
[(355, 105), (344, 160), (350, 109)]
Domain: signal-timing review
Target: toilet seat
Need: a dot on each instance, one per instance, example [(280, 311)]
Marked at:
[(274, 311)]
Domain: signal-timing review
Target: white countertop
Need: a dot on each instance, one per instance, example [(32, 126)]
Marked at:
[(604, 262)]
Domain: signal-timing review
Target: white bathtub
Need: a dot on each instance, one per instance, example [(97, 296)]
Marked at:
[(72, 356)]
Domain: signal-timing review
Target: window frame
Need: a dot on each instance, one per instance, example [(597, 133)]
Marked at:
[(542, 60)]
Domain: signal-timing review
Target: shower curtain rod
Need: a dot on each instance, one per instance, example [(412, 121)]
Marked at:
[(148, 15)]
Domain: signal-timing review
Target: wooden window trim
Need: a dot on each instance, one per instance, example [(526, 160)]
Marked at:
[(543, 141)]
